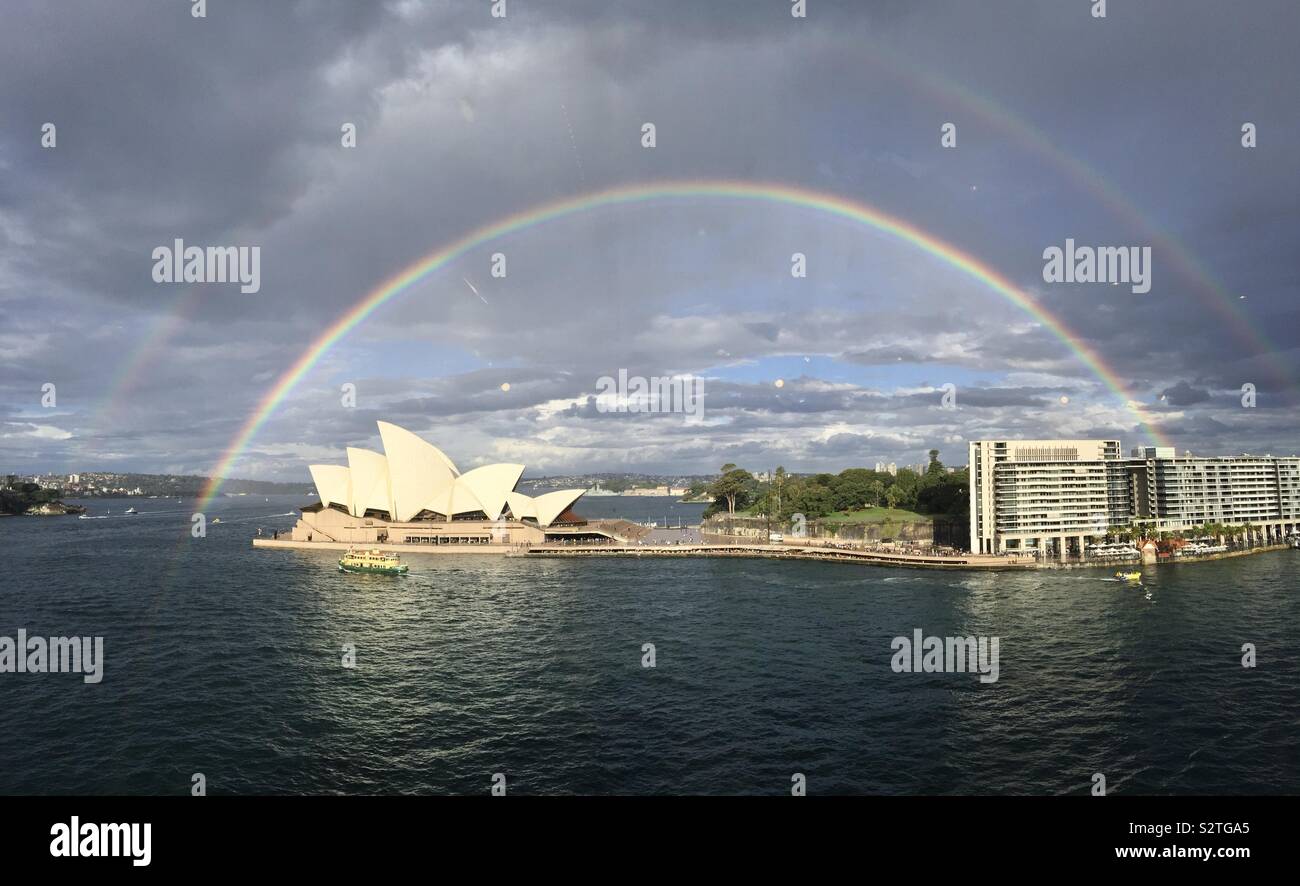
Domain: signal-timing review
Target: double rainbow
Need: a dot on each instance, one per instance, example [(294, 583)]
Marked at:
[(641, 193)]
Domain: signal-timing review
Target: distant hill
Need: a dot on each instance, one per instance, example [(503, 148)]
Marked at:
[(106, 484)]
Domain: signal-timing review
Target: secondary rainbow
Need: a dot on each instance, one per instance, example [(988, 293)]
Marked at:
[(929, 82), (640, 193)]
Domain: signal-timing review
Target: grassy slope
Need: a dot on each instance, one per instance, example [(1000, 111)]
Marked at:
[(866, 515), (877, 515)]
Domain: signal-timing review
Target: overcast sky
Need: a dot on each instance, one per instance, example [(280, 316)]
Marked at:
[(226, 131)]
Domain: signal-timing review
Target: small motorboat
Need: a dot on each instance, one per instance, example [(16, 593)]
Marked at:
[(131, 510), (1129, 576), (374, 560)]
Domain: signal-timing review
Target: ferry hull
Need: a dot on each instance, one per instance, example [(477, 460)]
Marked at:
[(374, 570)]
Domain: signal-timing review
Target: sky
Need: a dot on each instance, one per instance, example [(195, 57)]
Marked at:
[(227, 130)]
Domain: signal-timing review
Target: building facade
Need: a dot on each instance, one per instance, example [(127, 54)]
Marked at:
[(1172, 492), (1050, 497), (1055, 497)]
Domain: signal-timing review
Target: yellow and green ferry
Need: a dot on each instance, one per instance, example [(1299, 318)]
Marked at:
[(373, 561)]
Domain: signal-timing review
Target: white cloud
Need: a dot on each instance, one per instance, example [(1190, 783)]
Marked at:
[(34, 431)]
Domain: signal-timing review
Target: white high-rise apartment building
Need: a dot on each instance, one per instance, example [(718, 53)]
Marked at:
[(1047, 496), (1058, 496), (1172, 492)]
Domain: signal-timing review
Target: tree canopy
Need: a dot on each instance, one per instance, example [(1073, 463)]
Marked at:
[(935, 492)]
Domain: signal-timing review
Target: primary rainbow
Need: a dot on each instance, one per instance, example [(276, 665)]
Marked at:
[(930, 83), (638, 193)]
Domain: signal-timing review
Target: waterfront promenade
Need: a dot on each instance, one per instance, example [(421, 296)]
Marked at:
[(790, 552), (811, 550), (769, 551)]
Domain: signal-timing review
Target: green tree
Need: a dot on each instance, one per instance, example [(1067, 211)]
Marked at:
[(851, 488), (735, 487), (17, 497), (814, 500), (944, 494), (907, 484), (935, 470)]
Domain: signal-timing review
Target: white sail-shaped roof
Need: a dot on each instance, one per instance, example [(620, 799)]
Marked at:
[(458, 499), (491, 484), (370, 487), (521, 505), (553, 504), (412, 476), (333, 484), (440, 503), (417, 471)]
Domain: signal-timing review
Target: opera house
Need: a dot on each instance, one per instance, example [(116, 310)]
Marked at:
[(412, 494)]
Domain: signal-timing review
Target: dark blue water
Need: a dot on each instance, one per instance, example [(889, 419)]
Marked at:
[(226, 661)]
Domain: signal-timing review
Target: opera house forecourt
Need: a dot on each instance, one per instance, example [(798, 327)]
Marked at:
[(412, 496)]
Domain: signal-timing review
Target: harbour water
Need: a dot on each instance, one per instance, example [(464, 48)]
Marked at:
[(227, 661), (659, 510)]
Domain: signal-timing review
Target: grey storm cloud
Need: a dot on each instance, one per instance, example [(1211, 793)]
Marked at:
[(226, 130), (1183, 394)]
